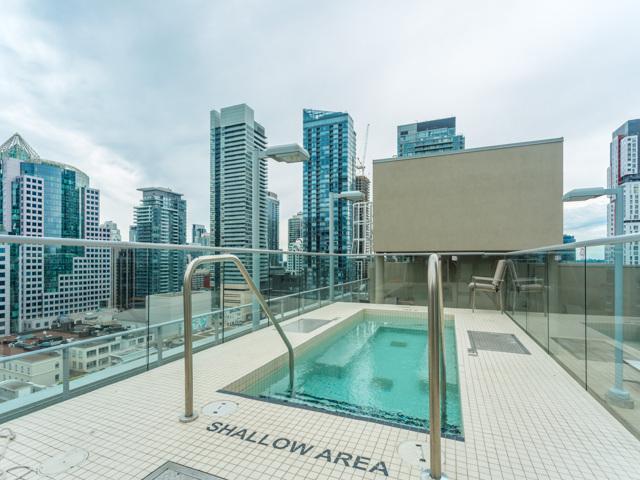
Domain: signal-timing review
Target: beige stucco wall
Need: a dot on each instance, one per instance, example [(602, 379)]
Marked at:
[(488, 199)]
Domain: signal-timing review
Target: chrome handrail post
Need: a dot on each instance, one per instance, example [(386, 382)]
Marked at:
[(434, 333), (443, 360), (189, 414)]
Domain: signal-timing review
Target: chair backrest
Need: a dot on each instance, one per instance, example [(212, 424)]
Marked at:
[(501, 269), (511, 266)]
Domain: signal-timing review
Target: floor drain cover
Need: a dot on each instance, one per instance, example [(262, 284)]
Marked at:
[(495, 342), (174, 471), (63, 462), (219, 409)]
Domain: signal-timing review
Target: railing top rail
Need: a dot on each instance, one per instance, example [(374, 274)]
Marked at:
[(596, 242), (82, 242), (79, 242)]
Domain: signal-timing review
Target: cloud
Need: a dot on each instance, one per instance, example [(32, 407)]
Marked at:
[(586, 220), (122, 90)]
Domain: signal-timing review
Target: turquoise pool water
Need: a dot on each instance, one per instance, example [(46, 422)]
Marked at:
[(375, 369)]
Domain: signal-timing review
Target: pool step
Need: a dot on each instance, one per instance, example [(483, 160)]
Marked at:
[(344, 408), (336, 358)]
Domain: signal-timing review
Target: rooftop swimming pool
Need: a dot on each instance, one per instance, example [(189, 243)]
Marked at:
[(374, 367)]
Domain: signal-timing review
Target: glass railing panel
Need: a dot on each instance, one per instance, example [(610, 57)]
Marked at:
[(29, 377), (529, 311), (457, 274), (405, 280), (537, 320), (564, 295), (613, 330), (145, 325), (241, 310), (284, 283)]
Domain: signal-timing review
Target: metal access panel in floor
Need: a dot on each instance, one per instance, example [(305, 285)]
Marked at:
[(175, 471), (495, 342)]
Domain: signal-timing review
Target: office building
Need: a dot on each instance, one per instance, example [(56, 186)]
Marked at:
[(161, 217), (433, 136), (5, 289), (362, 227), (624, 172), (112, 228), (363, 184), (197, 231), (294, 230), (238, 193), (295, 263), (124, 280), (330, 139), (273, 227), (205, 239), (42, 198)]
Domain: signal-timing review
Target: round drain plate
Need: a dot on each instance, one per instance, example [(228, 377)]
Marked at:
[(219, 409), (63, 462)]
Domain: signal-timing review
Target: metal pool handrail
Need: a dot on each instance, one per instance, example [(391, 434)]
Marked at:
[(443, 359), (435, 313), (189, 414)]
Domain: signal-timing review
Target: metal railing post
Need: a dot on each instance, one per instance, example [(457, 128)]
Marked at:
[(434, 333), (189, 414), (65, 372), (158, 342)]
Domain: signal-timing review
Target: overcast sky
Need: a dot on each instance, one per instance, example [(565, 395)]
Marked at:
[(122, 89)]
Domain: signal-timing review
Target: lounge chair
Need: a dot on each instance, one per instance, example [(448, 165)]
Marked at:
[(494, 285), (525, 285)]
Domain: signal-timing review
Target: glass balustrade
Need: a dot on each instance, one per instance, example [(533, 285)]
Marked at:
[(117, 311)]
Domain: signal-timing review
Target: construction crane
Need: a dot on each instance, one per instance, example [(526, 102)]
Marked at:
[(361, 161)]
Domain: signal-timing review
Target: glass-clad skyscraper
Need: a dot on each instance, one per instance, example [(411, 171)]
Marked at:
[(330, 139), (294, 228), (41, 198), (424, 138), (273, 227), (161, 217)]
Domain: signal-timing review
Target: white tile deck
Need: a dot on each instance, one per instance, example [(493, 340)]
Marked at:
[(524, 417)]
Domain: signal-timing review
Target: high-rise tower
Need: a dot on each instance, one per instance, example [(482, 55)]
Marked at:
[(294, 231), (273, 227), (624, 172), (42, 198), (330, 139), (161, 217), (433, 136), (238, 193)]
